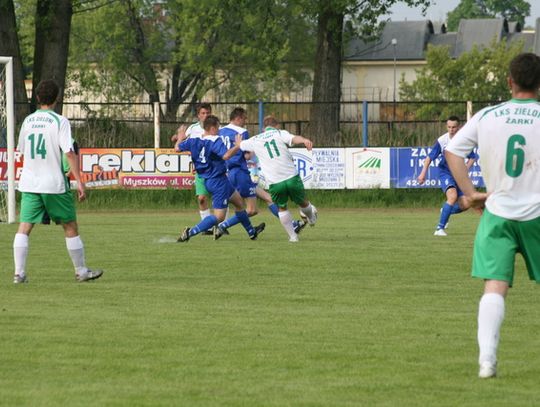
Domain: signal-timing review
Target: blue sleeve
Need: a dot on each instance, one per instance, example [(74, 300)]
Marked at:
[(472, 156), (245, 135), (184, 145), (435, 151)]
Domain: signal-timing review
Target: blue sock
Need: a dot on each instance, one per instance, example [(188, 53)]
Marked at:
[(246, 223), (227, 223), (274, 209), (456, 209), (445, 215), (204, 224)]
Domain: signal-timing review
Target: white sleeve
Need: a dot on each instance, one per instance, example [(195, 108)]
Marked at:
[(20, 144), (466, 139), (286, 137), (64, 137), (247, 145)]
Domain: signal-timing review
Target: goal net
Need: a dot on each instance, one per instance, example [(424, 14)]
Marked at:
[(7, 142)]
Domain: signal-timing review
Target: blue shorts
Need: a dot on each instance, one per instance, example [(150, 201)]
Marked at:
[(447, 181), (241, 181), (221, 190)]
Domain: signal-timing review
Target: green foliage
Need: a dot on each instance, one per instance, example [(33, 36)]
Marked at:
[(512, 10), (477, 75)]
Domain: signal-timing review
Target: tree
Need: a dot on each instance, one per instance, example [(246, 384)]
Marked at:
[(477, 75), (512, 10), (53, 25), (363, 18), (9, 46), (192, 46)]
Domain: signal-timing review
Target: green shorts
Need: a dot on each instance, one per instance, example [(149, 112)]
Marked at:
[(292, 188), (200, 187), (60, 207), (497, 242)]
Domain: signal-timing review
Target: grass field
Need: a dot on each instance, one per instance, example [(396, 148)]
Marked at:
[(369, 309)]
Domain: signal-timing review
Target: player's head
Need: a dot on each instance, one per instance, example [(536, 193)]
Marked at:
[(203, 111), (525, 72), (211, 125), (270, 121), (452, 125), (238, 116), (47, 92)]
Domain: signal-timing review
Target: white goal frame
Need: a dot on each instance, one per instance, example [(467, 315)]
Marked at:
[(10, 136)]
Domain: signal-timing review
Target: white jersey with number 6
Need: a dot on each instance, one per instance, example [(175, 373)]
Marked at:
[(508, 140), (43, 137), (271, 149)]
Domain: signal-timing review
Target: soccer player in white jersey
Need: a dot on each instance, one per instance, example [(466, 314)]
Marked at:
[(43, 138), (277, 165), (508, 140), (196, 131), (455, 201)]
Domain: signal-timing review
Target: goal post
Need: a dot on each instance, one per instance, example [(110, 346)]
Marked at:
[(7, 126)]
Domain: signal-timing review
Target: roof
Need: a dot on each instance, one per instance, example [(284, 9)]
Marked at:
[(413, 37)]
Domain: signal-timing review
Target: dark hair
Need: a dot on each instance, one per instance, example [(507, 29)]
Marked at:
[(237, 112), (270, 121), (210, 121), (206, 106), (47, 92), (453, 119), (525, 71)]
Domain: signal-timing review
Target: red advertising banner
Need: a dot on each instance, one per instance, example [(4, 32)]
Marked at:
[(136, 168)]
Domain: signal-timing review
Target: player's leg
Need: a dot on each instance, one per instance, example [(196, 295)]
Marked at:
[(32, 210), (280, 196), (202, 199), (243, 217), (241, 182), (61, 209), (451, 193), (297, 193), (495, 247), (274, 209)]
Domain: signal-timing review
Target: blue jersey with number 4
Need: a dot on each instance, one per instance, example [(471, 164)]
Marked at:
[(206, 154)]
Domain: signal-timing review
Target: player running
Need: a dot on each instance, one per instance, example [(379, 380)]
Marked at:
[(240, 176), (455, 201), (277, 165), (208, 154)]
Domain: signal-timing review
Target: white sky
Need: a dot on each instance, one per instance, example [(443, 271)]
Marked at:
[(438, 11)]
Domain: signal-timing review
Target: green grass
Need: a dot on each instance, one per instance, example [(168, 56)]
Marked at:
[(369, 309)]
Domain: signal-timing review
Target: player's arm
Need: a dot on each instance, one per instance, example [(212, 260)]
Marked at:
[(180, 134), (73, 160), (302, 140), (234, 149), (180, 137), (434, 153)]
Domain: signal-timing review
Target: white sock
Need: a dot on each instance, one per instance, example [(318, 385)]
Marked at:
[(205, 213), (20, 252), (75, 249), (286, 220), (308, 212), (490, 318)]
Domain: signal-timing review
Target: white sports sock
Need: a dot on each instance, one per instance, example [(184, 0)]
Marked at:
[(490, 318), (308, 211), (75, 249), (205, 213), (286, 220), (20, 252)]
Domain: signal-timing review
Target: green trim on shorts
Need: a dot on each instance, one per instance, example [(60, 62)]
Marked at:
[(200, 186), (60, 207), (292, 188), (496, 243)]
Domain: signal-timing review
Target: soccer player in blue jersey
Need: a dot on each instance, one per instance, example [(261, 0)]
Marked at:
[(455, 201), (209, 154), (240, 177)]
